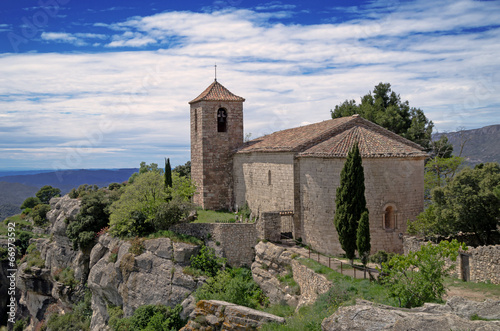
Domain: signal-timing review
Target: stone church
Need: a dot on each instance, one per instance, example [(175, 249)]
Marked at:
[(295, 172)]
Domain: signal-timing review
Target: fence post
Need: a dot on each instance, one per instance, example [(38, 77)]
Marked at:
[(341, 271), (329, 263), (365, 273), (318, 257), (309, 252), (354, 270)]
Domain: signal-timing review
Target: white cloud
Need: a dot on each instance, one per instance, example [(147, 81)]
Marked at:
[(442, 57)]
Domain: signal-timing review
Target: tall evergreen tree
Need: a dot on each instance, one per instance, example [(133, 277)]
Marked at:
[(168, 174), (363, 238), (350, 201)]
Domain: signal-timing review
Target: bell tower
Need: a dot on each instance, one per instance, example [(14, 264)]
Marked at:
[(216, 132)]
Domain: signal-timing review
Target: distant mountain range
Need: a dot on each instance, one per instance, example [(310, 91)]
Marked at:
[(481, 145), (16, 188)]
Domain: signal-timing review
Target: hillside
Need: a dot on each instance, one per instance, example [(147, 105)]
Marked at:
[(15, 189), (481, 145), (12, 196)]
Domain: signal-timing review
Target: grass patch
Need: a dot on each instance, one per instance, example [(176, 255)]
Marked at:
[(22, 223), (489, 289), (176, 237), (280, 310), (211, 216), (288, 280)]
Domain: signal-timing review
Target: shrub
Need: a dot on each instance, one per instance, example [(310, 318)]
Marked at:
[(233, 285), (46, 193), (39, 214), (93, 216), (207, 262), (137, 246), (418, 277), (381, 257), (30, 202), (78, 319), (171, 213), (147, 318)]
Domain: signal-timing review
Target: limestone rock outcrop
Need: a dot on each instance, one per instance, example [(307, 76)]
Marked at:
[(454, 315), (273, 263), (120, 278), (221, 316)]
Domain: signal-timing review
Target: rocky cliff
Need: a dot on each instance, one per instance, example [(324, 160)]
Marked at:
[(115, 276)]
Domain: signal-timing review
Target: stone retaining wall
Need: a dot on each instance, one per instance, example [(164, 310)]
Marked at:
[(484, 261), (235, 241)]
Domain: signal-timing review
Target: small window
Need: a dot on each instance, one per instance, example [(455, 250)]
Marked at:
[(389, 221), (269, 177), (196, 120), (221, 120)]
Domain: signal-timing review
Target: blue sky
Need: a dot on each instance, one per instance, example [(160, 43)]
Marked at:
[(105, 84)]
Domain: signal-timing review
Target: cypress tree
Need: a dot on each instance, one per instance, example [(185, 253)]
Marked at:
[(363, 238), (350, 201), (168, 174)]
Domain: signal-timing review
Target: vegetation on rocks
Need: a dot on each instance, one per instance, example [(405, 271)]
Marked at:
[(76, 319), (235, 286), (147, 318)]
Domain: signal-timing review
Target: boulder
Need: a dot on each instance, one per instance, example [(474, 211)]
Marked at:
[(454, 315), (220, 315)]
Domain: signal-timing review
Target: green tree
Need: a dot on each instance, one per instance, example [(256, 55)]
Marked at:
[(145, 168), (350, 201), (439, 171), (468, 203), (46, 193), (133, 214), (93, 216), (363, 238), (168, 174), (418, 277), (385, 108), (182, 188), (184, 170), (442, 147), (39, 214), (30, 202)]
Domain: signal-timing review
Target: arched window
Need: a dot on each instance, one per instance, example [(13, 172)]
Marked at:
[(221, 120), (389, 221), (269, 177)]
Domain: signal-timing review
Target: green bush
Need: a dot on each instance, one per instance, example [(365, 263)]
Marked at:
[(93, 216), (30, 203), (171, 213), (77, 319), (147, 318), (381, 257), (207, 262), (233, 285), (137, 246), (46, 193), (418, 277), (39, 214), (67, 277)]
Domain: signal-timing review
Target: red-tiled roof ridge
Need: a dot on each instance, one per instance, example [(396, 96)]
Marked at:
[(303, 140), (216, 92)]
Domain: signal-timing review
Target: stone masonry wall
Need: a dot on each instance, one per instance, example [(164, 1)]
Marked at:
[(264, 180), (236, 241), (268, 226), (211, 152), (398, 182), (484, 261)]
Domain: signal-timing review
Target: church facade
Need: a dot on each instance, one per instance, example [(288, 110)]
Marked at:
[(297, 171)]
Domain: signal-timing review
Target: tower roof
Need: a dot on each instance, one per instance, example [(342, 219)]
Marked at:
[(217, 92), (334, 138)]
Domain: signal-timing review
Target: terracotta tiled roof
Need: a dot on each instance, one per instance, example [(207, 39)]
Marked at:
[(217, 92), (334, 138)]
